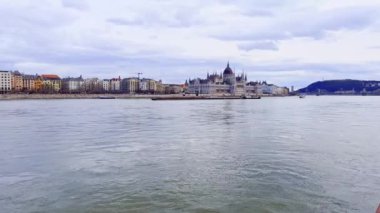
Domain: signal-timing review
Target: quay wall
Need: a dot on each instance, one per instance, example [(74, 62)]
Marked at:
[(76, 96)]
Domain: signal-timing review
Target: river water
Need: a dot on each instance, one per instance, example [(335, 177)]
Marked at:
[(318, 154)]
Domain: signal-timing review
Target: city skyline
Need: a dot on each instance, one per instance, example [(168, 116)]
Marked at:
[(285, 42), (138, 75), (229, 82)]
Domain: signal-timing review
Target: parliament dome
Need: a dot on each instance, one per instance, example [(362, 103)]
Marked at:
[(228, 70)]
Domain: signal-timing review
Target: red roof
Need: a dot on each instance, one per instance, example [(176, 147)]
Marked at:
[(50, 77)]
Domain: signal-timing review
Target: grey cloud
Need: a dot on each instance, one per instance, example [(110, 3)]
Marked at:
[(16, 19), (126, 22), (254, 34), (258, 45), (160, 16), (75, 4), (313, 24), (301, 74), (186, 18), (258, 13), (333, 20), (257, 3), (178, 20), (344, 69)]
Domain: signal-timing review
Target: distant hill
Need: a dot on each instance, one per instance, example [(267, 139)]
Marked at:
[(347, 86)]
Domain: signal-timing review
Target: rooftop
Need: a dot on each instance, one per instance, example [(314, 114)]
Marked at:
[(50, 77)]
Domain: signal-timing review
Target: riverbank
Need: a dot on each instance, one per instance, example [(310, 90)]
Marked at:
[(78, 96), (110, 96)]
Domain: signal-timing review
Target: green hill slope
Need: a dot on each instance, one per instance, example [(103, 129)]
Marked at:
[(342, 86)]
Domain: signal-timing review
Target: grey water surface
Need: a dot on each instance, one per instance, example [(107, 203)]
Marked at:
[(318, 154)]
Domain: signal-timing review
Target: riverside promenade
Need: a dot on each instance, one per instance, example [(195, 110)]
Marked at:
[(78, 96), (121, 96)]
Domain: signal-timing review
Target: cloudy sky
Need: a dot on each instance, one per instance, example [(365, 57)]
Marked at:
[(286, 42)]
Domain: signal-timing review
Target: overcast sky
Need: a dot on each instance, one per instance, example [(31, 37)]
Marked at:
[(286, 42)]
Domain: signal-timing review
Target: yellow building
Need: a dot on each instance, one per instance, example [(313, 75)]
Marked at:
[(160, 88), (152, 86), (38, 84), (173, 88), (51, 83), (130, 85), (17, 81), (29, 83)]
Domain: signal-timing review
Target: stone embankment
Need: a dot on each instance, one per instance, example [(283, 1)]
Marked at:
[(77, 96)]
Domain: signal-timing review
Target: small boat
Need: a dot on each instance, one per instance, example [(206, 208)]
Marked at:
[(176, 98), (250, 97), (106, 97), (302, 96)]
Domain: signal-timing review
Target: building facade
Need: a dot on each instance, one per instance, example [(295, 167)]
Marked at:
[(39, 84), (5, 82), (144, 86), (93, 85), (263, 88), (17, 81), (131, 85), (230, 84), (152, 86), (73, 85), (106, 85), (51, 83), (115, 85), (148, 86), (160, 87), (220, 84), (173, 88), (29, 83)]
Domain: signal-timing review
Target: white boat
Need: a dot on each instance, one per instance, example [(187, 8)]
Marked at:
[(302, 96)]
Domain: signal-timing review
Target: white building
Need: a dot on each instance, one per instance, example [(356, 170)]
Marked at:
[(130, 85), (226, 83), (73, 85), (115, 85), (144, 85), (5, 81), (93, 85), (263, 88), (106, 85)]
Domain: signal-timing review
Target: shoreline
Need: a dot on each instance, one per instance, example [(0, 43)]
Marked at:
[(76, 96), (4, 97)]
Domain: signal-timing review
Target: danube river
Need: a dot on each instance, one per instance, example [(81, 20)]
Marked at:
[(318, 154)]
